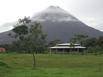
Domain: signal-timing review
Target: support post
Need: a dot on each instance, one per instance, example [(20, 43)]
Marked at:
[(50, 50)]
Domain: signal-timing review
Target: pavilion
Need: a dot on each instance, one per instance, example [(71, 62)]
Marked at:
[(66, 48)]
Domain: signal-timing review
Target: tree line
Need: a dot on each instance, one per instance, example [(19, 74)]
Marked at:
[(94, 45)]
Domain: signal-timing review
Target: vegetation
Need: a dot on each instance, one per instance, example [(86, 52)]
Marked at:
[(54, 42), (79, 38), (94, 45), (54, 65), (30, 38)]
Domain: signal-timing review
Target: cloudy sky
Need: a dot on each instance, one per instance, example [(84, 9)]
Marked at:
[(88, 11)]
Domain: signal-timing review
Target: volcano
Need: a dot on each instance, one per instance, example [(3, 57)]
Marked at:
[(58, 24)]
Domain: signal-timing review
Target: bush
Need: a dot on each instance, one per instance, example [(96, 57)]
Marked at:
[(95, 50)]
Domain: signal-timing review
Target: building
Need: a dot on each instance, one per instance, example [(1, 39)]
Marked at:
[(2, 50), (66, 48)]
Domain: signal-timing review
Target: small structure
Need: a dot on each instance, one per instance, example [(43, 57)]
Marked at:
[(66, 48), (2, 50)]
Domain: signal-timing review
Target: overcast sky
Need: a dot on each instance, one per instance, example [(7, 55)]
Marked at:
[(88, 11)]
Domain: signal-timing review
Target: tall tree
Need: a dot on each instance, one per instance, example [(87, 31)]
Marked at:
[(36, 40), (30, 37)]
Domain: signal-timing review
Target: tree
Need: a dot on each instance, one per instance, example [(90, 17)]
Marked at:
[(54, 42), (91, 42), (100, 41), (30, 37), (20, 32), (36, 40), (79, 38), (72, 45)]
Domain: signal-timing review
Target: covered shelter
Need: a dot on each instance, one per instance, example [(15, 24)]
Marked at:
[(66, 48)]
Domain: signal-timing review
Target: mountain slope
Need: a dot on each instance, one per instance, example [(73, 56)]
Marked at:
[(66, 30), (58, 24)]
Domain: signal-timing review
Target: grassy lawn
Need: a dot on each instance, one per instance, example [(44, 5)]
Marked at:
[(55, 65)]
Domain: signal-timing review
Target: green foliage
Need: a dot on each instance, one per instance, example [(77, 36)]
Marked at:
[(94, 45), (29, 37), (100, 41), (21, 30), (79, 38), (54, 42), (36, 38), (90, 42), (97, 50)]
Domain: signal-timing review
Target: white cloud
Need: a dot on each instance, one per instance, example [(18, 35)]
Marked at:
[(93, 22), (89, 11)]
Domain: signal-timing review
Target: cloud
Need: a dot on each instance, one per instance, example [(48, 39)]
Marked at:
[(88, 11), (93, 22)]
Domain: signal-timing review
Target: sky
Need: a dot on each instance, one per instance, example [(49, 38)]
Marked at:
[(88, 11)]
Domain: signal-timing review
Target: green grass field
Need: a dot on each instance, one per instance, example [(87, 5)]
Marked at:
[(55, 65)]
